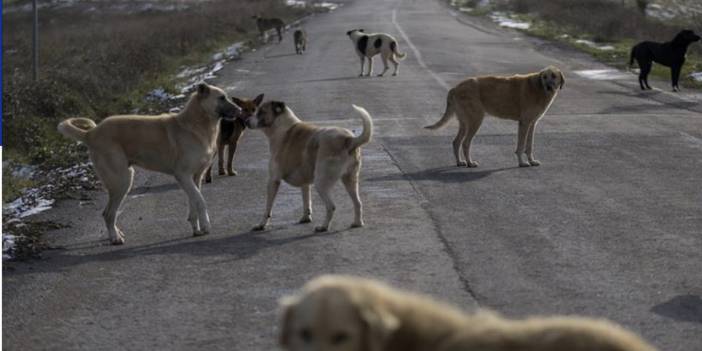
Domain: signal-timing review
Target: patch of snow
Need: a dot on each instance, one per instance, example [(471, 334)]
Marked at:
[(602, 74), (594, 45), (8, 245), (465, 9), (504, 21), (697, 76), (24, 171), (196, 75)]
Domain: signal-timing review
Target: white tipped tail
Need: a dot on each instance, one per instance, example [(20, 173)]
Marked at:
[(76, 128), (367, 133)]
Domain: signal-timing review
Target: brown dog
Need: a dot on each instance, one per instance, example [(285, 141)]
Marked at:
[(179, 144), (341, 313), (229, 134), (522, 98)]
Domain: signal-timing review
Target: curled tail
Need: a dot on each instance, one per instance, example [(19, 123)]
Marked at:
[(399, 55), (447, 114), (367, 134), (76, 128)]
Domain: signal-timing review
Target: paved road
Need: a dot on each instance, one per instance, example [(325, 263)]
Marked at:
[(608, 226)]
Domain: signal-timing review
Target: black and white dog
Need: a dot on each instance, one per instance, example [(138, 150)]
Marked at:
[(670, 54), (369, 45)]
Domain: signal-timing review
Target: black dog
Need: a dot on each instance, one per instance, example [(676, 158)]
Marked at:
[(670, 54)]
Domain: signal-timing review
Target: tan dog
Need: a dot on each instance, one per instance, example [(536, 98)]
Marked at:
[(523, 98), (229, 134), (341, 313), (303, 154), (179, 144)]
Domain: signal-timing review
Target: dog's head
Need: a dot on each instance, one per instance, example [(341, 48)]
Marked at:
[(355, 31), (266, 115), (248, 107), (685, 38), (551, 79), (334, 314), (215, 103)]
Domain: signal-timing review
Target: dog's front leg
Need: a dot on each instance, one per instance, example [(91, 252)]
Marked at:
[(370, 66), (521, 143), (198, 217), (530, 145), (273, 185), (307, 204), (363, 61), (675, 77)]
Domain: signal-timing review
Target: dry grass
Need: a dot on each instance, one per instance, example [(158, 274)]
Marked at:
[(101, 63)]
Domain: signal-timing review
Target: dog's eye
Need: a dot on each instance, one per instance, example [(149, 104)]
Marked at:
[(306, 335), (553, 76), (222, 98), (339, 338)]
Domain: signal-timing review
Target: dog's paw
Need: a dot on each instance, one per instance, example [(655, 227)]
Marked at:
[(117, 241), (201, 232), (220, 172), (394, 74), (357, 225), (472, 164), (534, 163), (258, 228), (461, 163), (524, 164), (320, 229), (232, 173), (361, 75), (305, 219)]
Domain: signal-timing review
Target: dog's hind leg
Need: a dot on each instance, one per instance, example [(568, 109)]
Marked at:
[(327, 173), (273, 185), (116, 175), (457, 141), (306, 204), (220, 157), (521, 143), (471, 129), (644, 70), (350, 180), (198, 217), (370, 66), (231, 150), (385, 65), (530, 145), (363, 61), (396, 64)]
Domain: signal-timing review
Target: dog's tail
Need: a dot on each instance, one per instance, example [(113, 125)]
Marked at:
[(631, 57), (400, 55), (447, 114), (76, 128), (367, 133)]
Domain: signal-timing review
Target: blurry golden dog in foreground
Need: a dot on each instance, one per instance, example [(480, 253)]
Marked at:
[(354, 314)]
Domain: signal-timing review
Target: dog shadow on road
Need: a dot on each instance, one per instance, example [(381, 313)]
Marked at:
[(442, 174), (333, 79), (278, 55), (648, 95), (231, 248), (684, 308)]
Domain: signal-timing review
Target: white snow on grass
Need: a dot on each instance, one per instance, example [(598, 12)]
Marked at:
[(603, 74), (594, 45), (504, 21), (697, 76)]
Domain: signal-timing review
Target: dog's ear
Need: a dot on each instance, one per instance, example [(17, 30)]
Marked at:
[(362, 30), (237, 101), (349, 32), (278, 107), (258, 100), (287, 306), (562, 80), (379, 325), (203, 90)]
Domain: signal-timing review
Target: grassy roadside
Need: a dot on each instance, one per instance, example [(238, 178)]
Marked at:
[(605, 29)]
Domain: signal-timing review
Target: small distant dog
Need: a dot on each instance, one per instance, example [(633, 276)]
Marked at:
[(369, 45), (303, 154), (265, 24), (179, 144), (229, 134), (670, 54), (523, 98), (355, 314), (300, 41)]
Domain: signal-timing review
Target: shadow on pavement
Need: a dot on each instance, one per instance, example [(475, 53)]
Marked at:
[(442, 174), (684, 308)]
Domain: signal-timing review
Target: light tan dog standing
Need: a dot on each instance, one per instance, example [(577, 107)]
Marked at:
[(303, 154), (342, 313), (179, 144), (523, 98)]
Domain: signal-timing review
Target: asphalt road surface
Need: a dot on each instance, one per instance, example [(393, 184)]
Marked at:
[(609, 226)]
